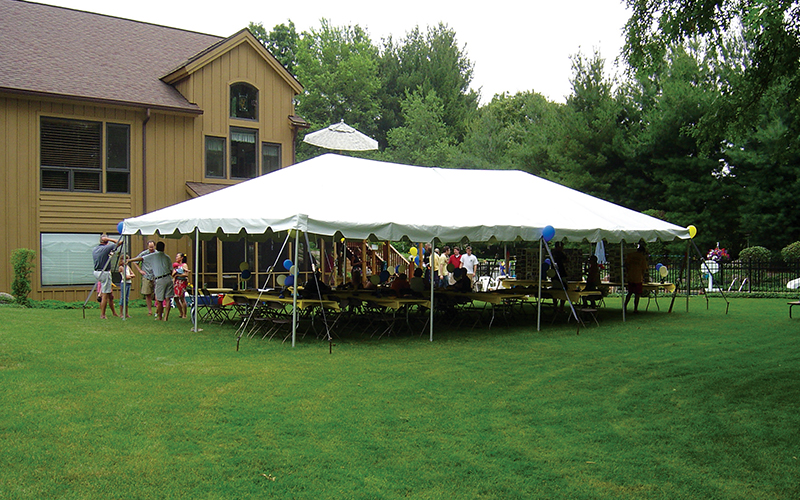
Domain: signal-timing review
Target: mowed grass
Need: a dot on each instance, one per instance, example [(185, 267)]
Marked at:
[(681, 405)]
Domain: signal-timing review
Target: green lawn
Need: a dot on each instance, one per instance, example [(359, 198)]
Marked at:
[(690, 405)]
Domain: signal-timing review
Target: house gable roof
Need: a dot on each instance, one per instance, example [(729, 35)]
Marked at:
[(211, 53), (60, 52)]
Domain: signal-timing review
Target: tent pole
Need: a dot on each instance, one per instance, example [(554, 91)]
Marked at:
[(123, 306), (622, 276), (294, 295), (430, 263), (539, 299), (196, 277)]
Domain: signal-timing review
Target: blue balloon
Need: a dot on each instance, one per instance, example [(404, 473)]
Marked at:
[(384, 276), (289, 281), (396, 268), (658, 266), (547, 261), (246, 274), (548, 232), (416, 260), (119, 227), (287, 264)]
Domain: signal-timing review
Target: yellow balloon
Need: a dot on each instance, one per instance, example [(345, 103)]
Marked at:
[(692, 231), (663, 271), (281, 279), (413, 251), (342, 240), (244, 266)]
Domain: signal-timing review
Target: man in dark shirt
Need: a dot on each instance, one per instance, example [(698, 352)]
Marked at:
[(101, 255)]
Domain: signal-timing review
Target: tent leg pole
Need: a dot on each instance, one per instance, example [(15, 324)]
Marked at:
[(430, 263), (294, 295), (622, 276), (539, 299), (196, 277)]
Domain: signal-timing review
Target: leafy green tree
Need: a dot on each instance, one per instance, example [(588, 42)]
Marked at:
[(590, 151), (430, 61), (770, 30), (687, 179), (765, 162), (338, 66), (424, 139), (282, 42), (512, 132)]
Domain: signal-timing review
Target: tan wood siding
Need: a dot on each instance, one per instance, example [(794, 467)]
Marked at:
[(82, 212)]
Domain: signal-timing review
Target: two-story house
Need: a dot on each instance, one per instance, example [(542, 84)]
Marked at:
[(103, 118)]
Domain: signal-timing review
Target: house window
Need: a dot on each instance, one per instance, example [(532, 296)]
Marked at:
[(215, 157), (72, 157), (118, 158), (270, 157), (244, 159), (244, 101), (66, 259)]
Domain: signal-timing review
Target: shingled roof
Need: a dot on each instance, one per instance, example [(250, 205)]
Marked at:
[(55, 51)]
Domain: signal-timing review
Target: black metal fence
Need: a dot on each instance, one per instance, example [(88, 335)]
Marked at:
[(733, 276)]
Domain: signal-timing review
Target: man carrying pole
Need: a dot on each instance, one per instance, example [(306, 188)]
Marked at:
[(101, 255)]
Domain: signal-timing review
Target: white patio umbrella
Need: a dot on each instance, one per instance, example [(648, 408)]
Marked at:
[(341, 137)]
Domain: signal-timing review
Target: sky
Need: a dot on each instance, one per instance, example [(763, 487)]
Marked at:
[(514, 45)]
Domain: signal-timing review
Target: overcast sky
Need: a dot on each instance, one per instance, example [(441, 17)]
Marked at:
[(514, 45)]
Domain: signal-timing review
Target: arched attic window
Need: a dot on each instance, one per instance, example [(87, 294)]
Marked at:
[(244, 101)]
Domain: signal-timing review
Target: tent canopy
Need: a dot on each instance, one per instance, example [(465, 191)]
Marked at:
[(333, 195)]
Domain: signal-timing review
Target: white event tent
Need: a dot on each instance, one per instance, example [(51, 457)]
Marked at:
[(334, 195)]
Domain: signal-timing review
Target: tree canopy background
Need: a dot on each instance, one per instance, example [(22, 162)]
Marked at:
[(699, 127)]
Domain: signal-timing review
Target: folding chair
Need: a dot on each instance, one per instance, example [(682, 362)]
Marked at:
[(209, 309)]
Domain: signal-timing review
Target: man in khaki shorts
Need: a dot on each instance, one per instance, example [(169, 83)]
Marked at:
[(161, 266), (147, 276)]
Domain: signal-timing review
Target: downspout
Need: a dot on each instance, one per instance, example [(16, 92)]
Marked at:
[(144, 161)]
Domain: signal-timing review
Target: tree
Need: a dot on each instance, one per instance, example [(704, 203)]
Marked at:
[(590, 149), (424, 139), (770, 30), (429, 61), (687, 177), (512, 132), (282, 42), (338, 67)]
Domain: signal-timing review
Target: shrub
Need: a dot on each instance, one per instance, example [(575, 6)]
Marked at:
[(755, 254), (791, 252), (22, 262)]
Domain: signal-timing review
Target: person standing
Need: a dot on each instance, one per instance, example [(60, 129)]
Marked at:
[(127, 279), (470, 264), (147, 276), (455, 259), (101, 255), (443, 260), (435, 264), (161, 266), (180, 276), (636, 268)]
